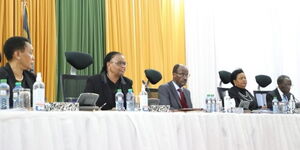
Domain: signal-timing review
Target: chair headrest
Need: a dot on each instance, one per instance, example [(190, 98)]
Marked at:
[(153, 76), (79, 60), (225, 76), (263, 80)]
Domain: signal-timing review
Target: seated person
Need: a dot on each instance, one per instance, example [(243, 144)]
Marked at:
[(243, 98), (18, 52), (173, 93), (282, 91), (109, 80)]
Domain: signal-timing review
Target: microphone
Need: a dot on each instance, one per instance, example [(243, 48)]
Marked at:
[(100, 108)]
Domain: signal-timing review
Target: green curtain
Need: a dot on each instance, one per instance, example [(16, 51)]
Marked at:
[(80, 27)]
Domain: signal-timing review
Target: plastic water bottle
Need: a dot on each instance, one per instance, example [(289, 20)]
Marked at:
[(38, 101), (232, 105), (143, 99), (213, 103), (4, 94), (119, 97), (219, 105), (17, 102), (208, 103), (130, 100), (292, 105), (227, 104), (284, 105), (275, 105)]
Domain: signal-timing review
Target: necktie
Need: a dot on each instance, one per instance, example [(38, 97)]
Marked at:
[(182, 99), (285, 98)]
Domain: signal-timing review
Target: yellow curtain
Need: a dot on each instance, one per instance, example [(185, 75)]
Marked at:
[(10, 22), (150, 33), (42, 24)]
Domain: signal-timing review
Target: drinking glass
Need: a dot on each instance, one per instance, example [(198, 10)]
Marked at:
[(25, 98)]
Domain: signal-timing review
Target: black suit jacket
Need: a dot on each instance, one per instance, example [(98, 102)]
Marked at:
[(234, 93), (100, 84), (274, 93), (28, 80)]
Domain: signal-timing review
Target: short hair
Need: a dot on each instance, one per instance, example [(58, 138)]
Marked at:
[(281, 78), (175, 68), (234, 74), (107, 58), (14, 44)]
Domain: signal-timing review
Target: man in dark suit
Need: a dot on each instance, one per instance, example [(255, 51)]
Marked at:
[(282, 91), (173, 93)]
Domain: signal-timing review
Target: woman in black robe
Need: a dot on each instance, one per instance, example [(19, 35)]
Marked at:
[(243, 98)]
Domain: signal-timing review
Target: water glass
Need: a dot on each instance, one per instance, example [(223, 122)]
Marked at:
[(25, 98), (137, 103)]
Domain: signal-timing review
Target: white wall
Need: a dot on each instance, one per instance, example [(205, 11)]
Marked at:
[(259, 36)]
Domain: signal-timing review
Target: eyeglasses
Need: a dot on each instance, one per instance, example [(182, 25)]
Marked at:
[(183, 75), (120, 63)]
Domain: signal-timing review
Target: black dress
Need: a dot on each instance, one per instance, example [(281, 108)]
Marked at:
[(106, 89), (28, 80), (243, 98)]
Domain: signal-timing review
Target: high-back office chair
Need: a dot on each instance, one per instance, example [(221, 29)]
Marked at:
[(225, 78), (73, 85), (153, 77), (262, 81)]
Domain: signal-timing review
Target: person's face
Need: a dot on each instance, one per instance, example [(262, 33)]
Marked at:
[(181, 76), (25, 57), (285, 86), (240, 81), (117, 65)]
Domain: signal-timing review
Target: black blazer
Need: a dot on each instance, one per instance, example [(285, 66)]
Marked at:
[(273, 93), (99, 84), (28, 80), (234, 93)]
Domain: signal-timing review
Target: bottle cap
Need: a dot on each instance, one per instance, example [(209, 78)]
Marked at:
[(3, 80), (39, 77)]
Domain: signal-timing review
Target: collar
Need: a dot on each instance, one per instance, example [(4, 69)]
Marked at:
[(280, 93), (105, 78), (10, 72), (176, 86)]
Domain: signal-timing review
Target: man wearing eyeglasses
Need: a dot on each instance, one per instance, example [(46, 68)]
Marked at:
[(173, 93)]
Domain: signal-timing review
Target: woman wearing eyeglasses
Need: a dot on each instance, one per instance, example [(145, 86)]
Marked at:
[(243, 98), (109, 80)]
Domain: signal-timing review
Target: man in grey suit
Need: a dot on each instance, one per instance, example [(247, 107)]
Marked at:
[(173, 93)]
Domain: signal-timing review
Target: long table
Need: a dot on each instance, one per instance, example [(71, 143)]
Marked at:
[(109, 130)]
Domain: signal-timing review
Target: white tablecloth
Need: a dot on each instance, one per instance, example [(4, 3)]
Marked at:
[(147, 131)]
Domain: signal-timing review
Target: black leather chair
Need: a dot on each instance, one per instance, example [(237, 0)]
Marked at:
[(73, 85), (153, 77), (225, 78), (262, 81)]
